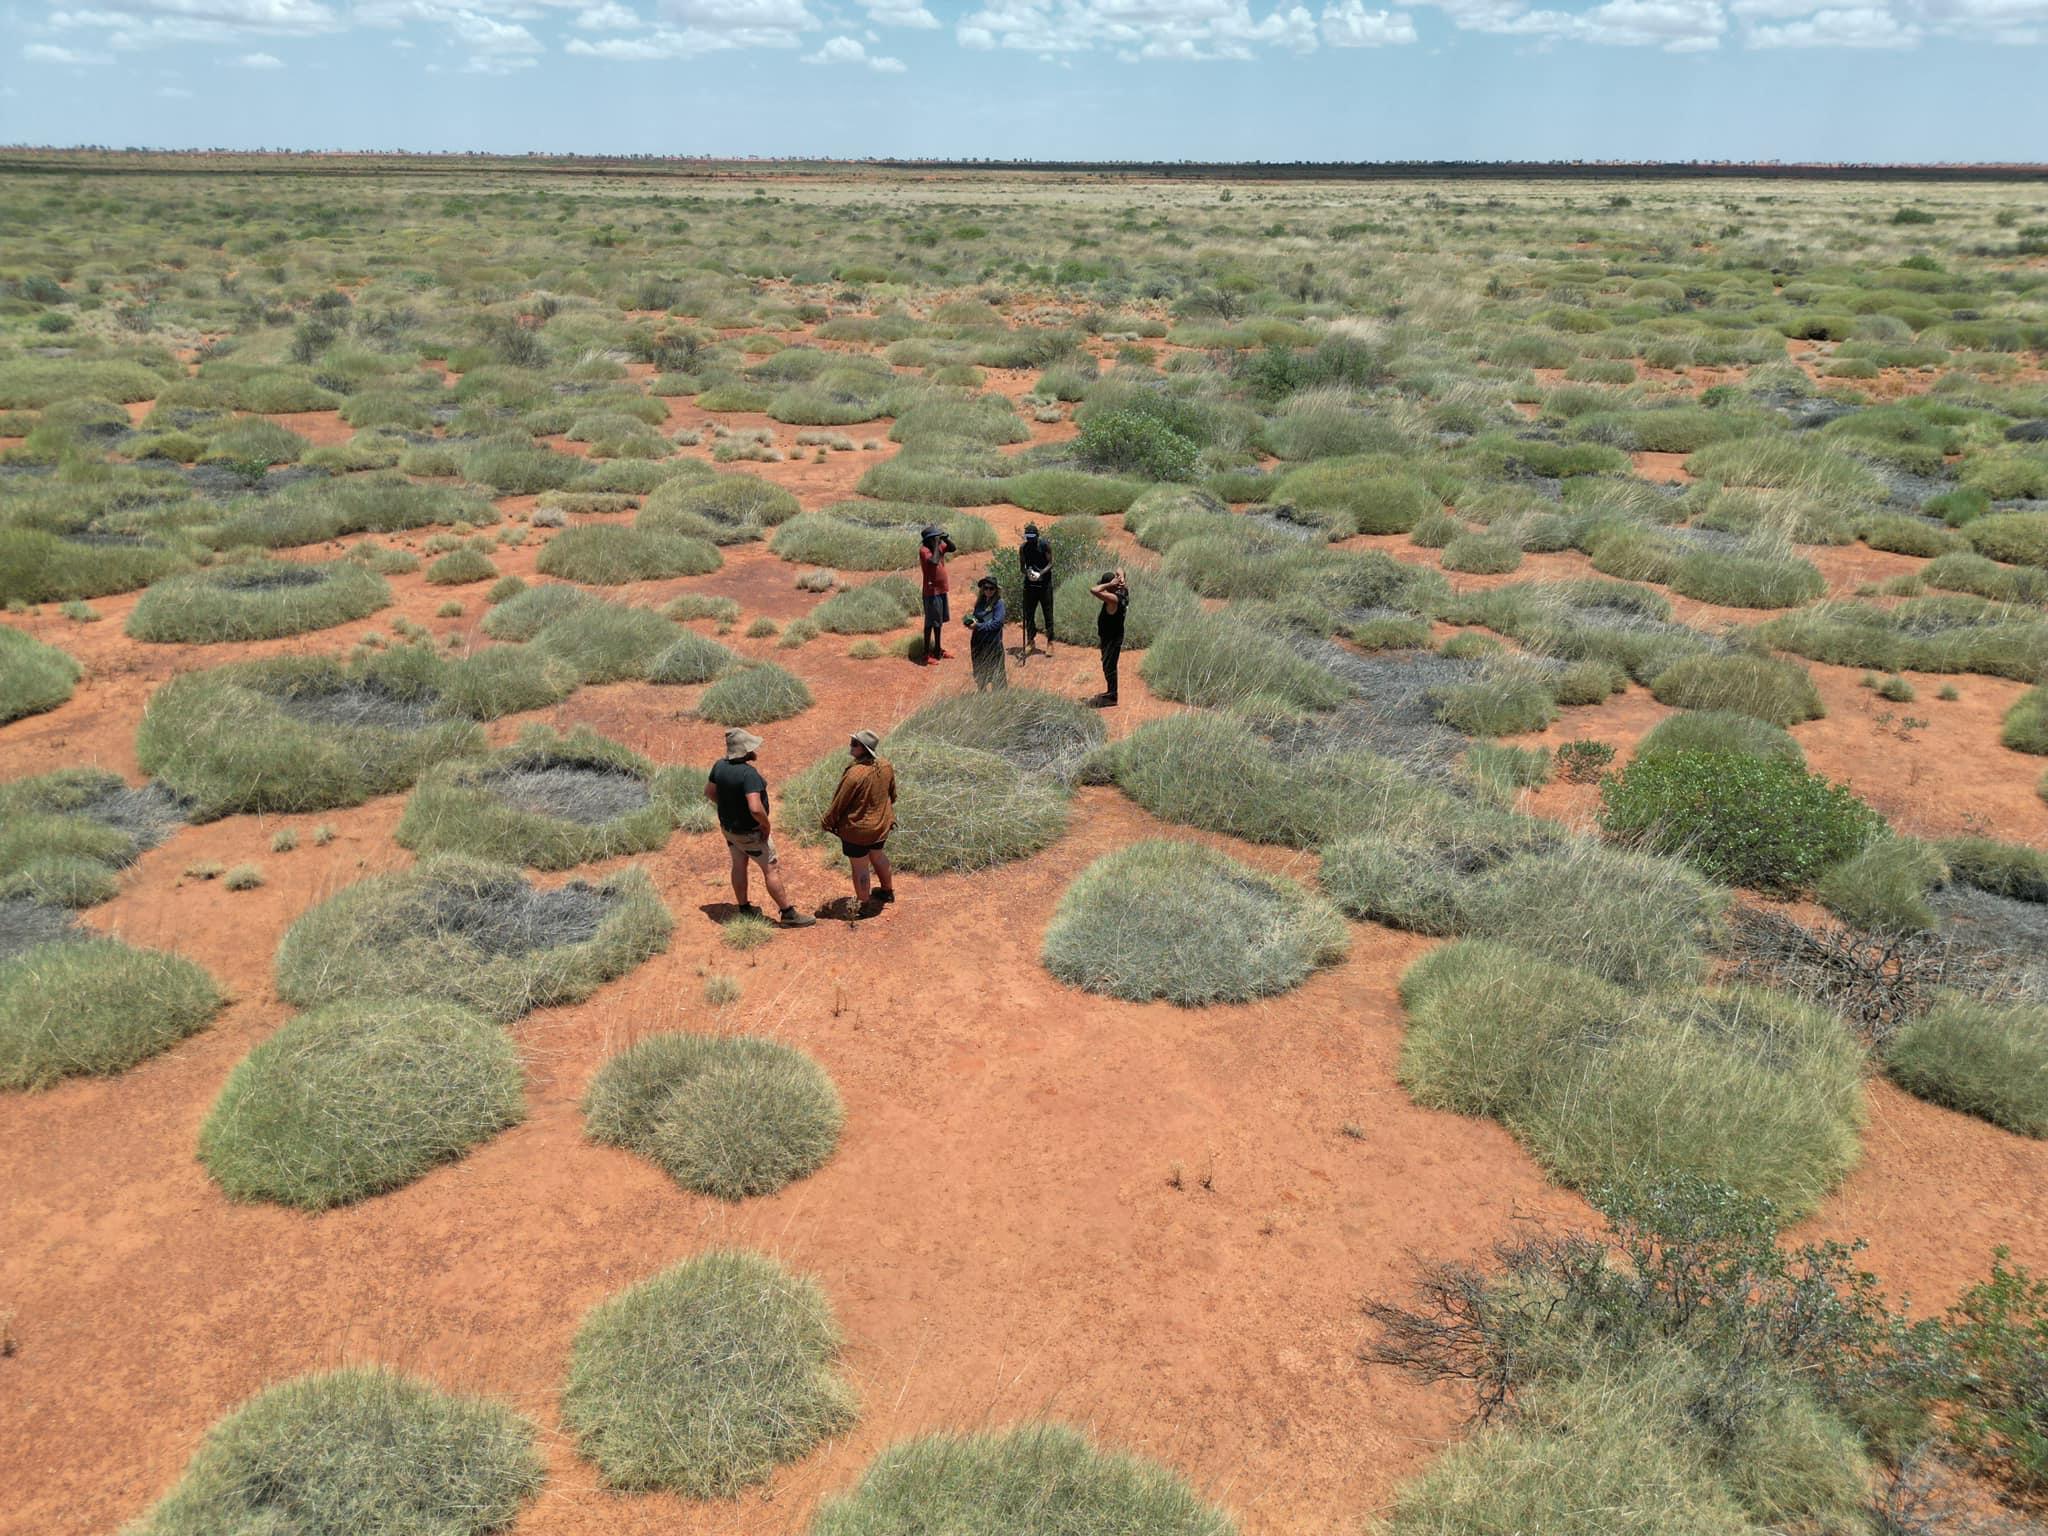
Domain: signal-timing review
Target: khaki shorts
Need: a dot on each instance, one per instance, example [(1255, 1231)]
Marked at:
[(756, 847)]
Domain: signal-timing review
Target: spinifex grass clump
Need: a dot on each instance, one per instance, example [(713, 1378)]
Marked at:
[(689, 658), (1726, 733), (726, 509), (1613, 1087), (606, 555), (41, 566), (754, 694), (63, 835), (1041, 1480), (317, 510), (874, 535), (94, 1006), (550, 802), (1215, 659), (353, 1451), (707, 1377), (473, 933), (309, 733), (1985, 1059), (1181, 922), (1922, 634), (259, 600), (869, 608), (33, 676), (962, 806), (1776, 692), (729, 1116), (357, 1097)]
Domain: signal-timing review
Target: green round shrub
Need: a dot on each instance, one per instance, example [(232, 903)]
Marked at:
[(34, 677), (874, 535), (1181, 922), (1777, 692), (358, 1097), (1040, 1480), (259, 600), (607, 555), (1764, 823), (347, 1452), (1136, 443), (524, 614), (870, 608), (2025, 727), (94, 1007), (1985, 1059), (757, 693), (549, 802), (1725, 732), (728, 1116), (474, 933), (1883, 888), (1403, 883), (707, 1377), (2011, 870)]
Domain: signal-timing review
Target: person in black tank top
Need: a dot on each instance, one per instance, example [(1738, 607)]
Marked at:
[(1114, 593)]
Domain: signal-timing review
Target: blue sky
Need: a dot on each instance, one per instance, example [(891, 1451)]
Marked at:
[(1199, 79)]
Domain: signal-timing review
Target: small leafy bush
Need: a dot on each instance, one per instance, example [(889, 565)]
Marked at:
[(1764, 823)]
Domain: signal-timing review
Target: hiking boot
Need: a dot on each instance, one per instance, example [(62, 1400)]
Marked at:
[(746, 909), (882, 898), (791, 918)]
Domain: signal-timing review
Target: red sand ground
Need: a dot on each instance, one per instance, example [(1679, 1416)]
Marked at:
[(1145, 1219)]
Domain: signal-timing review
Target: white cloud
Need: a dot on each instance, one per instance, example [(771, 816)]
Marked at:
[(1676, 26), (1852, 27), (498, 63), (663, 43), (257, 61), (1351, 25), (50, 53), (1192, 30), (609, 16), (850, 50), (489, 36), (741, 17), (2019, 22), (900, 13)]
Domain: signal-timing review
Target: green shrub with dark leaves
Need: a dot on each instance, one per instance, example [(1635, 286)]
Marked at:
[(1764, 823)]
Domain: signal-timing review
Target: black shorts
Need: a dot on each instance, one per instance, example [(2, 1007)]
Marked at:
[(861, 850), (936, 609)]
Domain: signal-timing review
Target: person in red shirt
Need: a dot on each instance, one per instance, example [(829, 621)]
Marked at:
[(933, 548)]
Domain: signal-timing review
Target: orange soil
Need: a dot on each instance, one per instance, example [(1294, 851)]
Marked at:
[(1142, 1218)]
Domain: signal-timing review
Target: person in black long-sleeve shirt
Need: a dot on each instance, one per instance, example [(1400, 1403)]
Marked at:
[(1114, 593), (1034, 559)]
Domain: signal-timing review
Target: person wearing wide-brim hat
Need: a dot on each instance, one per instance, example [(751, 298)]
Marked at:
[(985, 650), (861, 816), (736, 787)]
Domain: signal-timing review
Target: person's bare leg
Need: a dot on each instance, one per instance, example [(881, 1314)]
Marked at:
[(885, 877), (739, 875), (861, 879), (771, 876)]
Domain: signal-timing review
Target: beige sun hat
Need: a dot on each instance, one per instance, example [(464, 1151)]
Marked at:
[(739, 742), (868, 740)]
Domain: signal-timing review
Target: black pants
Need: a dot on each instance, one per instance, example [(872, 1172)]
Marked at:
[(1036, 599), (1112, 653)]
